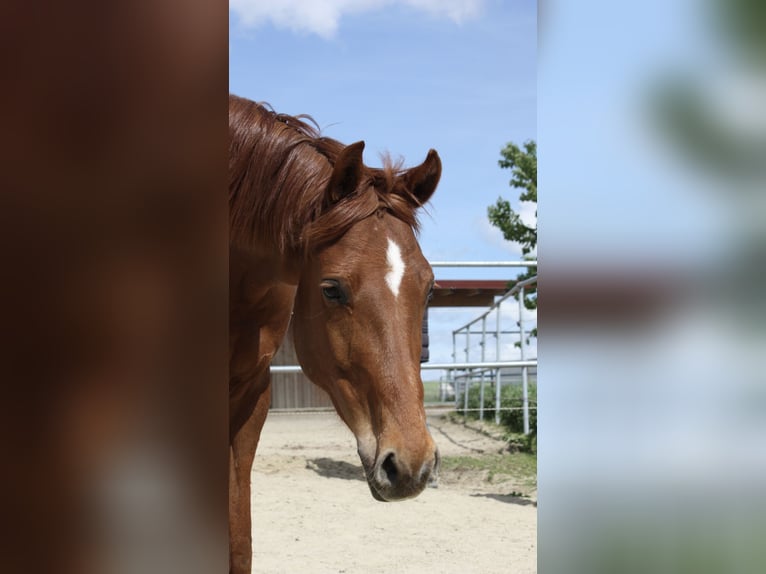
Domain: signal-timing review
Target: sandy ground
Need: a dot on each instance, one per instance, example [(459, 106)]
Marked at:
[(313, 512)]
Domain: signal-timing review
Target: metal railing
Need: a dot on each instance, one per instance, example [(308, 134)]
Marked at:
[(518, 288), (484, 264), (433, 366)]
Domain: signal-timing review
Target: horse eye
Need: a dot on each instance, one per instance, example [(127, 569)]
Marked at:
[(332, 291)]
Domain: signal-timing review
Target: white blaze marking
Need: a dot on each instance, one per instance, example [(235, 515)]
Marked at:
[(395, 267)]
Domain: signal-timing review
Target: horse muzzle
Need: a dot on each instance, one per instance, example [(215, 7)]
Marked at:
[(393, 477)]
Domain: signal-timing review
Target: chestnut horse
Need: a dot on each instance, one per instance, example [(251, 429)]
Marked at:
[(316, 234)]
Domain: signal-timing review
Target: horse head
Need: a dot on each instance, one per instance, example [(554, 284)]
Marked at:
[(358, 314)]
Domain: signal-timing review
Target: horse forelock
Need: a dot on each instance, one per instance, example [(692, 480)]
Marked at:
[(394, 195), (380, 193), (279, 169)]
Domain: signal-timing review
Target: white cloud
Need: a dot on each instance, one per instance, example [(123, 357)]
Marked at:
[(528, 213), (456, 10), (494, 237), (322, 17)]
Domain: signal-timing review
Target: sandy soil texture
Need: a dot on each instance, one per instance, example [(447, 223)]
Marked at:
[(313, 513)]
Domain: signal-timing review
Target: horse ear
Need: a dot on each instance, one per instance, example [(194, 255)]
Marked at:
[(346, 173), (423, 179)]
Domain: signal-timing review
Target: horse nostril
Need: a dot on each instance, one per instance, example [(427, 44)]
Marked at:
[(389, 467)]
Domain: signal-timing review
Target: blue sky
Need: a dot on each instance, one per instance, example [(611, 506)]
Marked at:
[(458, 76)]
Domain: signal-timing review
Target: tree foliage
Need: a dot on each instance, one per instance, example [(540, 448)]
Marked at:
[(523, 166)]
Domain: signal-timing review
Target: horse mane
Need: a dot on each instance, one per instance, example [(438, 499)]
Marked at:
[(279, 169)]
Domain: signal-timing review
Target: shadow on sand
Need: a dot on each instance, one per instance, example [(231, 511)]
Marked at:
[(330, 468), (509, 498)]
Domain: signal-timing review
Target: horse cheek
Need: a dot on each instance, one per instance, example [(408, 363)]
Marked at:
[(340, 338)]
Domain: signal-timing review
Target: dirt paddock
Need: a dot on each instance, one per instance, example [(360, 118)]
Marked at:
[(313, 512)]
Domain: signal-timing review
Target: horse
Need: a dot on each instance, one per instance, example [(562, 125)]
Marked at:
[(319, 238)]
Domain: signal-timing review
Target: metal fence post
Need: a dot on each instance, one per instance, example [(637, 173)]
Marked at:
[(467, 375), (497, 374), (483, 358), (524, 395), (451, 376)]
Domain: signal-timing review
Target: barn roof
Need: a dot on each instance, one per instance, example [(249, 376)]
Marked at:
[(467, 292)]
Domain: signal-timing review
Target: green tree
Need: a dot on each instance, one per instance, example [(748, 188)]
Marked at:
[(523, 166)]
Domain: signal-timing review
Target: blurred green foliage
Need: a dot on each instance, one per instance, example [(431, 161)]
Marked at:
[(743, 23)]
